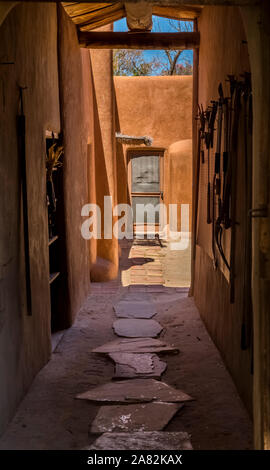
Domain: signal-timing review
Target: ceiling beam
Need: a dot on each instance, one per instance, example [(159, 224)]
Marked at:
[(129, 40)]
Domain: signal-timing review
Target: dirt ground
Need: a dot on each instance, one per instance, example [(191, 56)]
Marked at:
[(50, 417)]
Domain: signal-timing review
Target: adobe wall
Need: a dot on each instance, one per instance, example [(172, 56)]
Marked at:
[(178, 176), (156, 106), (31, 43), (105, 267), (161, 108), (59, 97), (78, 134), (223, 51)]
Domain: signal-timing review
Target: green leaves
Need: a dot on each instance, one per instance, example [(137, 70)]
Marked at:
[(133, 63)]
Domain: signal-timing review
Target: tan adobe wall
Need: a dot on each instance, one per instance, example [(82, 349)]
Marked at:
[(105, 266), (161, 108), (60, 96), (178, 176), (25, 340), (156, 106), (220, 26)]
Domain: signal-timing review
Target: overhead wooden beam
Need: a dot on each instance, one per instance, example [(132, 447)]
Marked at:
[(130, 40), (187, 12)]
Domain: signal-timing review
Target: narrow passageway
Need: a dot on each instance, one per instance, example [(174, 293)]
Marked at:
[(50, 417), (117, 118)]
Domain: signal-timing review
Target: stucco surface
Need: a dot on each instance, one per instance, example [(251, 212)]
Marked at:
[(31, 43), (223, 51), (47, 54), (75, 93), (105, 150), (156, 106), (178, 176), (159, 107)]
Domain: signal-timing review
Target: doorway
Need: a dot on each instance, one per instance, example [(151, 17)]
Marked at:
[(145, 177)]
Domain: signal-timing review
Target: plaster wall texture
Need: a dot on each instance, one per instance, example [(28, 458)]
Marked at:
[(106, 265), (29, 39), (75, 95), (88, 104), (159, 107), (223, 51), (42, 42), (178, 176), (156, 106)]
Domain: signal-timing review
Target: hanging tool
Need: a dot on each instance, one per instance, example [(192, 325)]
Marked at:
[(23, 173), (225, 155), (210, 117), (233, 177), (228, 175), (218, 148), (201, 117), (208, 136), (223, 106), (208, 144), (212, 121), (246, 330), (216, 178)]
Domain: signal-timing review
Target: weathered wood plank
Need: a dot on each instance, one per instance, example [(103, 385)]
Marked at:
[(127, 40), (178, 12), (95, 13)]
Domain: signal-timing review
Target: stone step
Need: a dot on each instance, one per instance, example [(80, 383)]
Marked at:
[(135, 309), (137, 328), (136, 345), (151, 440), (135, 417), (134, 391), (129, 365)]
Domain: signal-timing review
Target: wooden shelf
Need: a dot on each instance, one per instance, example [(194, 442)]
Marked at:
[(53, 276), (53, 239)]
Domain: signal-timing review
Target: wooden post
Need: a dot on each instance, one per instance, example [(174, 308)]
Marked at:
[(256, 22), (195, 162)]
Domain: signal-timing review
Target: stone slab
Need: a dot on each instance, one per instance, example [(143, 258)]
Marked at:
[(129, 365), (137, 328), (134, 391), (135, 417), (136, 345), (138, 289), (151, 440), (140, 261), (156, 289), (137, 297), (131, 309)]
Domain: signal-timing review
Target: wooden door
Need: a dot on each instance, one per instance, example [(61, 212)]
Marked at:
[(146, 187)]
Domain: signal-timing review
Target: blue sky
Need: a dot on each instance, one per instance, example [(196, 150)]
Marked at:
[(159, 25)]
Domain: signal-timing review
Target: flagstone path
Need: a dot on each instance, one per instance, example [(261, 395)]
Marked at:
[(51, 417)]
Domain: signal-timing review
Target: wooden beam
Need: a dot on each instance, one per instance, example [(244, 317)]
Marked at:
[(130, 40), (178, 13)]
